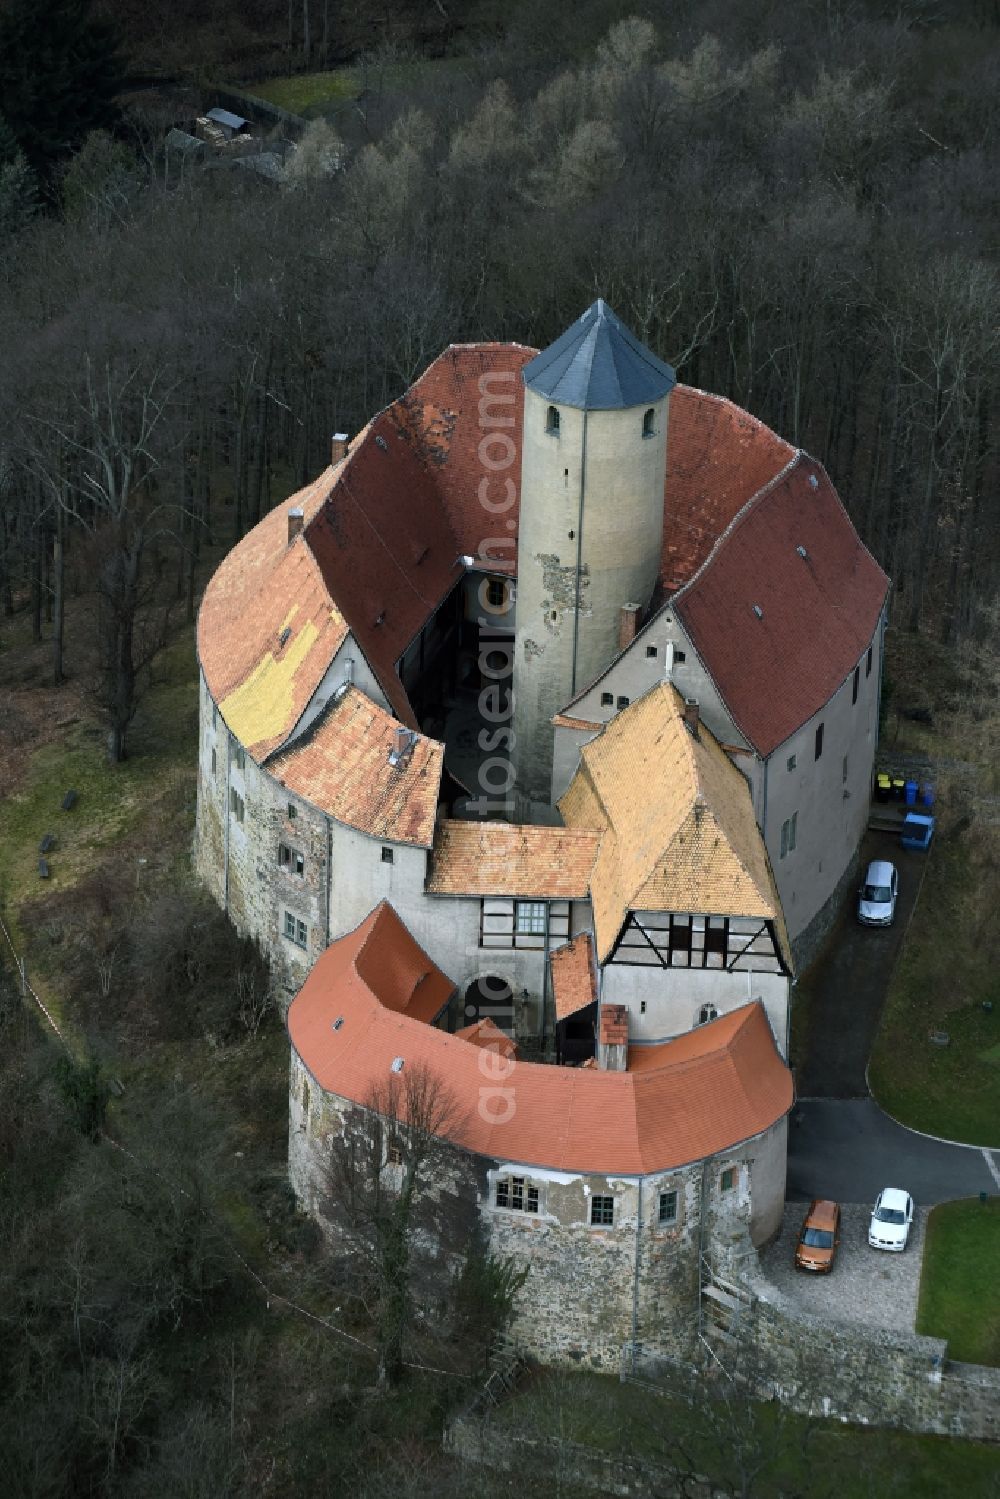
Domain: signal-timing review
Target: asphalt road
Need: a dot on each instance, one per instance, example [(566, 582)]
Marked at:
[(840, 1144), (849, 1150), (850, 982)]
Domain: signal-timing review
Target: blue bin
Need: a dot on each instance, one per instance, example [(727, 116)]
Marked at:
[(911, 793)]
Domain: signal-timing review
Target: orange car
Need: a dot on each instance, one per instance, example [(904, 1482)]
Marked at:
[(819, 1237)]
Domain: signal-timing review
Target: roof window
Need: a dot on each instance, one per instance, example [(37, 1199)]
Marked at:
[(397, 1064), (802, 551), (758, 611), (813, 482)]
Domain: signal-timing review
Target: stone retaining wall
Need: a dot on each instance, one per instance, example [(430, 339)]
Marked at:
[(872, 1377)]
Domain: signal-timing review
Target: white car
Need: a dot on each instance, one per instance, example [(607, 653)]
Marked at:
[(877, 896), (891, 1219)]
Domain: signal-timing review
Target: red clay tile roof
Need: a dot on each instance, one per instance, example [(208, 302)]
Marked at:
[(819, 612), (573, 984), (717, 457), (701, 1094), (501, 858), (487, 1034), (342, 766), (614, 1025)]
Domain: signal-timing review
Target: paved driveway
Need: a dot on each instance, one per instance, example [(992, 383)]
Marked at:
[(865, 1285), (850, 1150), (850, 982)]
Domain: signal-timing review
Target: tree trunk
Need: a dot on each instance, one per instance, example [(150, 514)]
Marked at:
[(58, 595)]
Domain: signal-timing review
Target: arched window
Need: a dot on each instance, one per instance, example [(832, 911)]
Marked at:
[(707, 1013), (648, 429), (552, 421)]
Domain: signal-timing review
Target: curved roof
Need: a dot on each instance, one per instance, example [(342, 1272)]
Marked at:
[(785, 606), (384, 529), (677, 825), (599, 365), (342, 766), (699, 1095)]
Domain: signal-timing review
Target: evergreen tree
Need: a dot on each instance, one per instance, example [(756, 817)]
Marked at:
[(59, 75), (18, 184)]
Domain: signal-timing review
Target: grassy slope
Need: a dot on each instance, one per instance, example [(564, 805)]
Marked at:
[(313, 93), (947, 970), (959, 1289), (599, 1411)]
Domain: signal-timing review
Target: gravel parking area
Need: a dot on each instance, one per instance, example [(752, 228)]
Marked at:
[(866, 1285)]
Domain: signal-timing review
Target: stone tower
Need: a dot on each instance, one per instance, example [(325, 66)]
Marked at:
[(591, 529)]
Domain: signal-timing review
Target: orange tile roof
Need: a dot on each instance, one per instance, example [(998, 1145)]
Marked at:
[(614, 1025), (502, 858), (573, 983), (264, 586), (563, 721), (677, 822), (342, 766), (487, 1034), (700, 1095)]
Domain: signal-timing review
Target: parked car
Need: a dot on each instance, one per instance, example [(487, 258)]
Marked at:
[(818, 1237), (877, 896), (891, 1219)]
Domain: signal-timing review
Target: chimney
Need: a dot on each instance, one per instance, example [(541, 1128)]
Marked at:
[(691, 716), (612, 1043), (403, 741), (338, 447), (628, 623), (295, 523)]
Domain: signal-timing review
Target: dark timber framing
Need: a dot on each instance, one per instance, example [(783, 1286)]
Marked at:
[(755, 945)]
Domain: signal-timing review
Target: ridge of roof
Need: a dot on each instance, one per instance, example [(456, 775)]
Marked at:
[(692, 792), (701, 1094), (598, 364)]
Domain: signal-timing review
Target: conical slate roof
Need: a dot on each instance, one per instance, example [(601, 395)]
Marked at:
[(598, 365)]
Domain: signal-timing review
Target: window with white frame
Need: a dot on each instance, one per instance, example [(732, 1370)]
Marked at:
[(529, 917), (706, 1014), (290, 859), (295, 930), (516, 1195)]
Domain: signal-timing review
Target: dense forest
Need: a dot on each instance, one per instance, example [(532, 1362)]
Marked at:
[(796, 205)]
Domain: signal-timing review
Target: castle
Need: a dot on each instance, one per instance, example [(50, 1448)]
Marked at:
[(537, 732)]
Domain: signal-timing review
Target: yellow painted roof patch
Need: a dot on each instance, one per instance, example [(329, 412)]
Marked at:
[(262, 706)]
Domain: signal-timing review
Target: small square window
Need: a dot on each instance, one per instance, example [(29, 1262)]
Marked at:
[(496, 593), (299, 863), (290, 925), (552, 421), (530, 919), (623, 702), (679, 656), (642, 1007), (791, 762), (240, 757), (607, 699), (602, 1211), (706, 1014), (393, 1154), (819, 740), (868, 663), (651, 651), (301, 933), (727, 1180), (293, 811), (668, 1207), (284, 855), (387, 854)]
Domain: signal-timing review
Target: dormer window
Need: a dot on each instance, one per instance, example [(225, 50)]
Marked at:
[(648, 429), (552, 421)]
